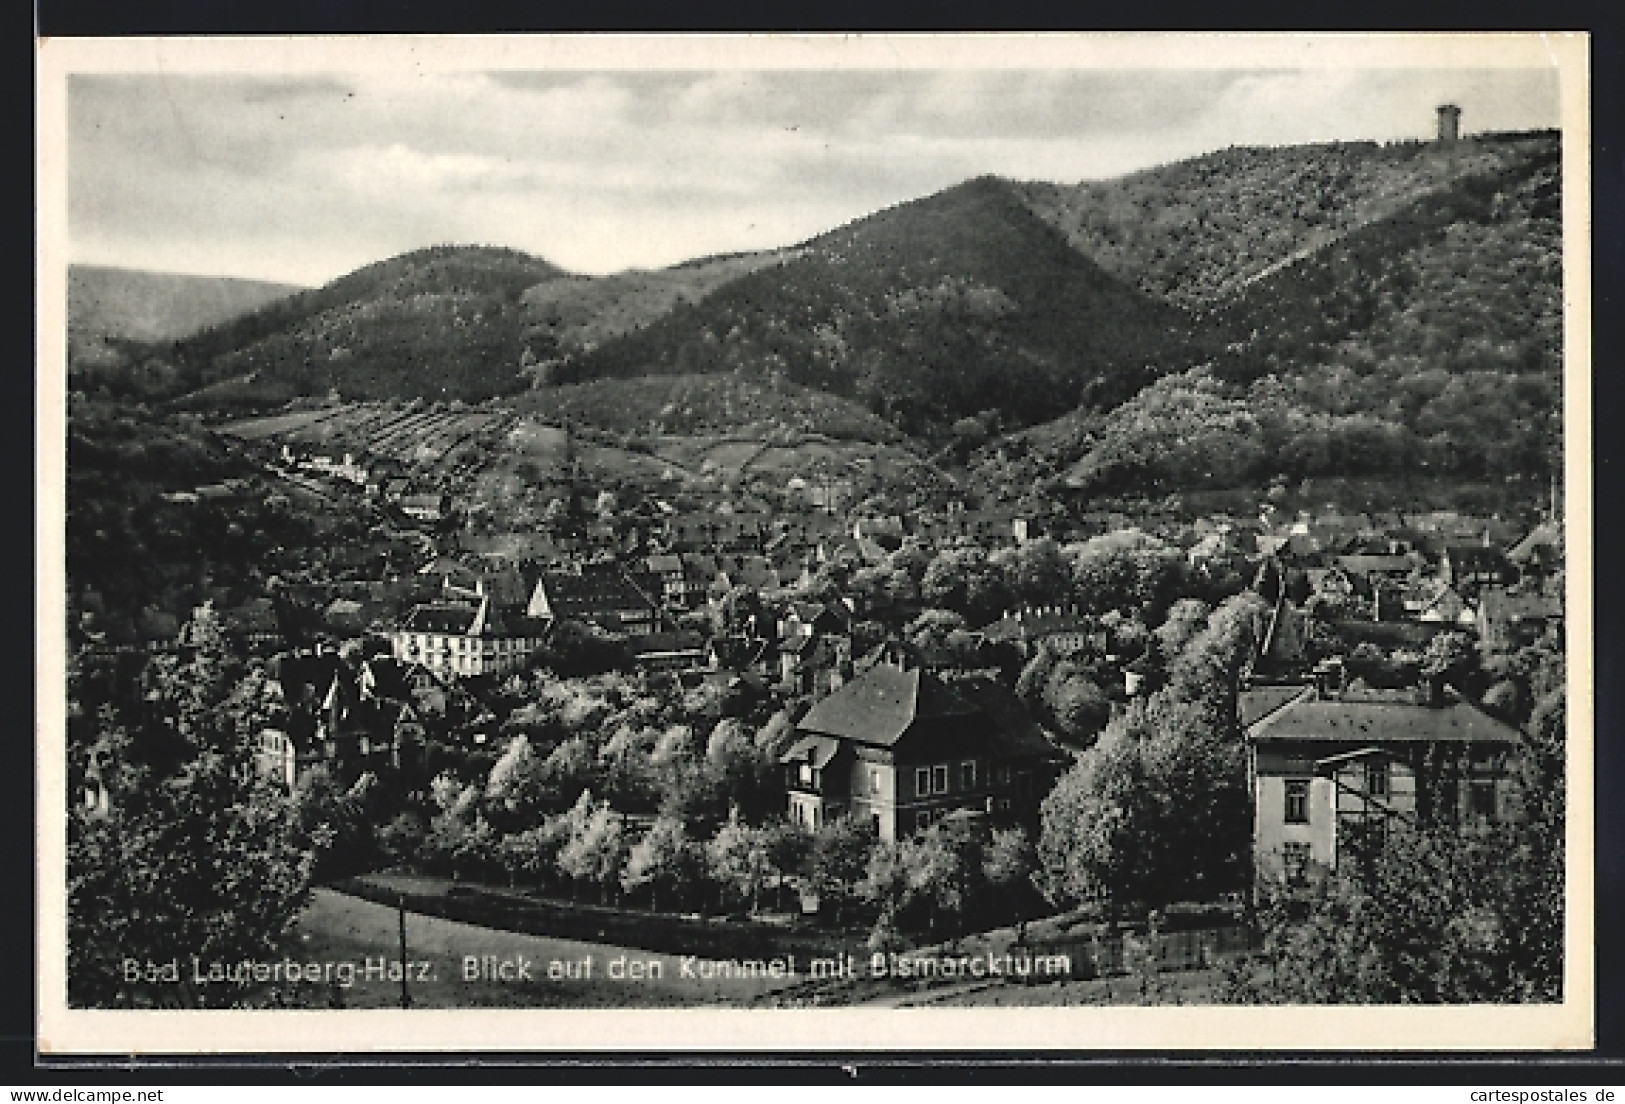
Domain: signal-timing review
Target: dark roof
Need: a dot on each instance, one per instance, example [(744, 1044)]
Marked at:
[(878, 706), (680, 641), (438, 617), (1376, 564), (1380, 717), (593, 592), (1013, 732), (1258, 702), (1476, 557)]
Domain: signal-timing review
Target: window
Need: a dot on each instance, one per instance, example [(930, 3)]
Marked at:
[(1376, 779), (1297, 801), (1482, 798), (922, 781), (805, 774), (1001, 774), (967, 775), (874, 779), (939, 779)]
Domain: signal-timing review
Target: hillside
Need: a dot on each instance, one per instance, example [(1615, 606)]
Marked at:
[(1424, 342), (689, 404), (1195, 231), (578, 314), (930, 312), (1388, 293), (107, 306), (440, 322)]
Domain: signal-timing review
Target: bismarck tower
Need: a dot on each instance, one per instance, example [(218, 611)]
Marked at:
[(1449, 123)]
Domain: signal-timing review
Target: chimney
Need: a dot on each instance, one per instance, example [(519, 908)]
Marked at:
[(1449, 123)]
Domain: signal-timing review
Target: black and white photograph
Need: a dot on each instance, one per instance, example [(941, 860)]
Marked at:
[(1082, 538)]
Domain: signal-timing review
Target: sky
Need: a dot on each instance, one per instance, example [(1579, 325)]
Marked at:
[(301, 177)]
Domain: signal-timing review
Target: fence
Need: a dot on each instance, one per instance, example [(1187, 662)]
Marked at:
[(1102, 953)]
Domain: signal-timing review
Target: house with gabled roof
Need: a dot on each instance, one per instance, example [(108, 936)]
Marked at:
[(598, 594), (1334, 769), (903, 747), (464, 639)]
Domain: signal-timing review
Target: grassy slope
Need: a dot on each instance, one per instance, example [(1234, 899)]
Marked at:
[(687, 404)]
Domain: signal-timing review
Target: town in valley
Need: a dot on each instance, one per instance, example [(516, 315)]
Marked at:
[(1161, 577)]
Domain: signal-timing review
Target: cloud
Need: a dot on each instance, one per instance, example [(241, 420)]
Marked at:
[(305, 176)]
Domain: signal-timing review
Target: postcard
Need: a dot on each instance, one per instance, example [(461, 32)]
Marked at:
[(1036, 542)]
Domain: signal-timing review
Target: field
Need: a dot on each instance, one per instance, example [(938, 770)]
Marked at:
[(340, 928), (507, 461), (411, 433)]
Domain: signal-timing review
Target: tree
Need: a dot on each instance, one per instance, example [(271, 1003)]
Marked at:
[(196, 849), (515, 784), (840, 861), (1185, 619), (333, 824), (743, 774), (1213, 666), (666, 862), (1034, 677), (1078, 705), (575, 650), (1008, 861), (789, 850), (1155, 812), (596, 847), (1036, 573), (738, 859)]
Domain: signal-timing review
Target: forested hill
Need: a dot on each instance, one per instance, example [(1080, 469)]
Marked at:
[(1398, 282), (1195, 231), (444, 321), (959, 304), (1427, 340)]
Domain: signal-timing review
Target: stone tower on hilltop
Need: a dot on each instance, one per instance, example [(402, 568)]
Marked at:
[(1449, 122)]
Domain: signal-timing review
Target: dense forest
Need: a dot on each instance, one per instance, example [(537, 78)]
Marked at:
[(1195, 231), (444, 322), (1428, 340), (932, 311)]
